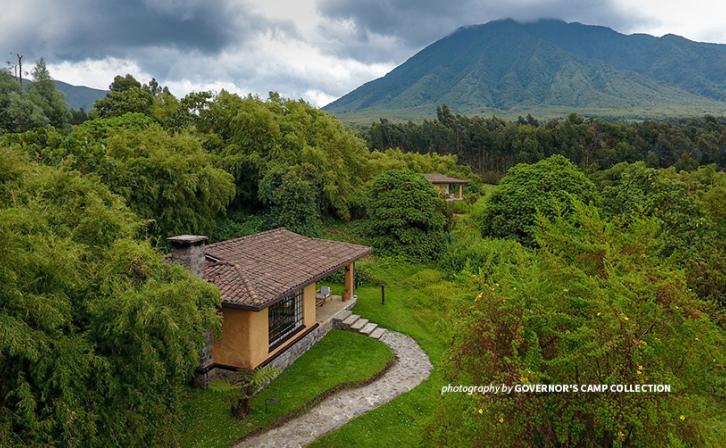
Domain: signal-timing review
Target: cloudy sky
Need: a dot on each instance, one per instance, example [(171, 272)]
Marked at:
[(314, 49)]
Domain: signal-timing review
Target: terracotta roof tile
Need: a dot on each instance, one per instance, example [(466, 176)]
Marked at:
[(438, 178), (255, 271)]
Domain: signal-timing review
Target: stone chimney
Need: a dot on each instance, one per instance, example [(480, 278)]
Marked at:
[(188, 251)]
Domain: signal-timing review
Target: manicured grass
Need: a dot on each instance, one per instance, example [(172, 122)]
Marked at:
[(418, 298), (340, 358)]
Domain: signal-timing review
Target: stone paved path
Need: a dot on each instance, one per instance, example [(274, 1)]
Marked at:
[(412, 368)]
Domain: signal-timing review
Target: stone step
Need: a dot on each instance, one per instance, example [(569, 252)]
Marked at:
[(377, 333), (360, 323), (350, 320), (370, 326), (342, 315)]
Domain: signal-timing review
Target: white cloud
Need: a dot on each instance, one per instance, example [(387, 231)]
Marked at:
[(96, 73), (700, 20)]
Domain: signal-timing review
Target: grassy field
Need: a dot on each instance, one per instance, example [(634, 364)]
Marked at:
[(417, 300), (340, 358)]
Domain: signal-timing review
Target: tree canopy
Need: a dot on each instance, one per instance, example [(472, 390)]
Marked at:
[(406, 217), (99, 333), (167, 179), (547, 187)]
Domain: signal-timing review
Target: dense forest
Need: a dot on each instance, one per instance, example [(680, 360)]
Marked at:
[(491, 145), (598, 257)]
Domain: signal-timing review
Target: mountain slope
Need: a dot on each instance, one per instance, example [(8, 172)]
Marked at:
[(80, 96), (508, 67), (76, 96)]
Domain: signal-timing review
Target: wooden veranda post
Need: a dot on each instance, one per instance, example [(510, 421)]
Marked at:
[(349, 281)]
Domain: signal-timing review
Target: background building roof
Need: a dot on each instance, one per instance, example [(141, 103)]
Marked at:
[(438, 178)]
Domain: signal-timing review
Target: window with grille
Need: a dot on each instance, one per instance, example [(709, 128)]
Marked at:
[(285, 318)]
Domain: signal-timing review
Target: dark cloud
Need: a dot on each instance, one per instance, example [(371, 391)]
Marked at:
[(415, 23), (79, 29)]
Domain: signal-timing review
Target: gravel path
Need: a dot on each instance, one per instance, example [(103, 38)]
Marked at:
[(412, 368)]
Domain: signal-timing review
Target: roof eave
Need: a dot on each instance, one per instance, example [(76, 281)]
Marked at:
[(281, 296)]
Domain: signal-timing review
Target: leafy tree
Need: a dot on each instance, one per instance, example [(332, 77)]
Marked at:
[(169, 180), (17, 112), (249, 132), (43, 93), (406, 216), (688, 208), (116, 103), (99, 334), (293, 197), (594, 305), (126, 95), (547, 187), (123, 83)]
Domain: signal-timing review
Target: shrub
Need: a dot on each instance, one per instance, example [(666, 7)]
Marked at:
[(474, 255), (547, 187), (594, 305), (406, 216)]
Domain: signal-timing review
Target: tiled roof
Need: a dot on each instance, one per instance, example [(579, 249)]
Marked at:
[(256, 271), (438, 178)]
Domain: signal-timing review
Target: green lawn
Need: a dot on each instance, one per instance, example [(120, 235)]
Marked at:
[(418, 298), (340, 358)]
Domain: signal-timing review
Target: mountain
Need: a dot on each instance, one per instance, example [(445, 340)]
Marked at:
[(80, 96), (76, 96), (546, 68)]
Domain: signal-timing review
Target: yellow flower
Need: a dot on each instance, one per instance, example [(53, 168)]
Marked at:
[(625, 317), (479, 296), (501, 419), (682, 417), (599, 313), (481, 411)]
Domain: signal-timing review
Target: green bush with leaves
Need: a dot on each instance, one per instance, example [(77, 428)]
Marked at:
[(547, 187), (595, 305), (167, 179), (688, 207), (98, 334), (470, 254), (406, 217), (292, 194)]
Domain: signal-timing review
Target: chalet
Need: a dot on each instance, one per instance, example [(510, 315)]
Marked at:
[(268, 284), (449, 187)]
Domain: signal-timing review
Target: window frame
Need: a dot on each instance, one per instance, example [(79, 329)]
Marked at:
[(278, 330)]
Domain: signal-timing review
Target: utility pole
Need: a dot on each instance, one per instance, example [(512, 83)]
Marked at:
[(20, 70)]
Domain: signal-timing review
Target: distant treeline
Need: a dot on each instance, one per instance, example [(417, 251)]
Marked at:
[(490, 145)]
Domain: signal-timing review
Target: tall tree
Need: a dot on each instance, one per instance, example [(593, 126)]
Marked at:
[(17, 112), (44, 93), (126, 95)]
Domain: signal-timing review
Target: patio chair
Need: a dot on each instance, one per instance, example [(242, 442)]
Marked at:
[(323, 295)]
